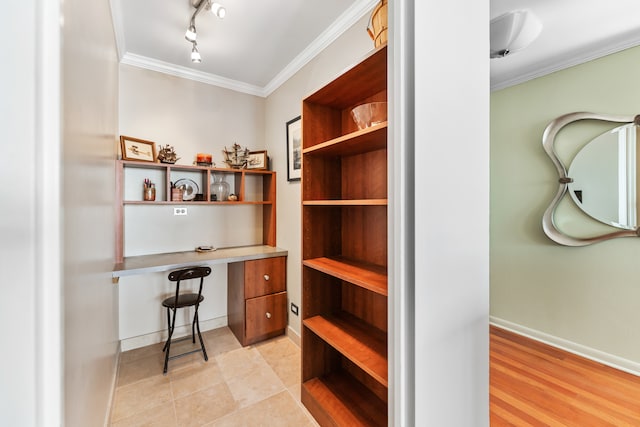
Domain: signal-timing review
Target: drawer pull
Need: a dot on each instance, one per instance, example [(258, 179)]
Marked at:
[(268, 315), (266, 277)]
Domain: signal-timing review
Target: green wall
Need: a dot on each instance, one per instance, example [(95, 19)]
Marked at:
[(589, 296)]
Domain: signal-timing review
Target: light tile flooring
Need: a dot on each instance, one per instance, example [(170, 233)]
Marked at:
[(257, 385)]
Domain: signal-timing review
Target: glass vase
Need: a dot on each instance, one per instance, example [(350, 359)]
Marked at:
[(220, 188)]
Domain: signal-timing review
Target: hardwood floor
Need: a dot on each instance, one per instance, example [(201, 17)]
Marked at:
[(533, 384)]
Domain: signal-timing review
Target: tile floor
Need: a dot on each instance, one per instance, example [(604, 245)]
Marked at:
[(257, 385)]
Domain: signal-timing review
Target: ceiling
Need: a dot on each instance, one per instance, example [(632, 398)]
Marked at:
[(260, 44), (574, 31)]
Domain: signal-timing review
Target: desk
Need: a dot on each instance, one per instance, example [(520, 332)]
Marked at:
[(144, 264), (256, 285)]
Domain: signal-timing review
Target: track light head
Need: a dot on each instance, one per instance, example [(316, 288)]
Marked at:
[(191, 34), (218, 10), (195, 55)]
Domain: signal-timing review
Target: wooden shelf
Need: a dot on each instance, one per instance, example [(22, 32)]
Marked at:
[(354, 202), (343, 401), (361, 141), (369, 276), (365, 346), (247, 183), (193, 202)]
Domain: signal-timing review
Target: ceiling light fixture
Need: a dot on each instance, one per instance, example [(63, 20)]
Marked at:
[(195, 55), (190, 34), (512, 32)]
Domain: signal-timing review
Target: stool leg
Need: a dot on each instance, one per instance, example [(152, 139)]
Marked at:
[(197, 322), (168, 329), (168, 344)]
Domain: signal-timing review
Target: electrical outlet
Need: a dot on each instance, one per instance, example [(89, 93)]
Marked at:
[(179, 211), (294, 309)]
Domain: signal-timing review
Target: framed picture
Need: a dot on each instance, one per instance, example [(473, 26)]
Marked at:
[(137, 149), (294, 149), (257, 160)]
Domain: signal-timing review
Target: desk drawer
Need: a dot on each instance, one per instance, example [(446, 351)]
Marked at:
[(266, 315), (264, 276)]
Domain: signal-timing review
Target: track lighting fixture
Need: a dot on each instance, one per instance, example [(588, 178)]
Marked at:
[(195, 55), (216, 8)]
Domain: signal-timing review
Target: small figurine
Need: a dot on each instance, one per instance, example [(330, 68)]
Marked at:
[(233, 197), (167, 154)]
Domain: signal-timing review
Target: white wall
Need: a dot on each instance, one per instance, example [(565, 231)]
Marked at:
[(451, 125), (194, 118), (90, 88), (285, 104), (23, 395)]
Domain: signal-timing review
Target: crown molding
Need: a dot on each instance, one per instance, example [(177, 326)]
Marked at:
[(581, 58), (187, 73), (345, 21)]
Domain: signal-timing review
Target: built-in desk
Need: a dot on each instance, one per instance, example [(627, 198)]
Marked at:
[(256, 288), (144, 264)]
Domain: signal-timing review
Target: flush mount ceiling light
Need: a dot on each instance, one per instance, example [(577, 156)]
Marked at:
[(191, 34), (512, 32)]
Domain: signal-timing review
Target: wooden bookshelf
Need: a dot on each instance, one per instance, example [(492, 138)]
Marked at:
[(344, 251)]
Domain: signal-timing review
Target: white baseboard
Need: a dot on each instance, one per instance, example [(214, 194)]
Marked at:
[(112, 395), (156, 337), (572, 347), (293, 336)]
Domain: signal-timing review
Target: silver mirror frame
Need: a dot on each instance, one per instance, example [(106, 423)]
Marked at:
[(548, 143)]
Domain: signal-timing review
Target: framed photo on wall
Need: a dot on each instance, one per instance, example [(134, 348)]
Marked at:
[(257, 160), (137, 149), (294, 149)]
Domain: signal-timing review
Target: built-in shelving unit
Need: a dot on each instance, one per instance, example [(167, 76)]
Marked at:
[(344, 251), (252, 187)]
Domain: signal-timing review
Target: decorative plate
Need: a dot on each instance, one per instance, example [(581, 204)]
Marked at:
[(189, 188)]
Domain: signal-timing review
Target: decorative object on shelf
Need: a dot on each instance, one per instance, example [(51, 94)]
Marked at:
[(167, 154), (205, 248), (149, 193), (369, 114), (137, 149), (512, 32), (176, 194), (257, 160), (191, 34), (233, 198), (203, 159), (294, 149), (377, 27), (189, 188), (237, 157), (220, 188)]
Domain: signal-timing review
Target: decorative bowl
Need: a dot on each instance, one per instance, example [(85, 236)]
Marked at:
[(369, 114)]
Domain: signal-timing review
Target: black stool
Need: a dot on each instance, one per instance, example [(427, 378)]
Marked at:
[(181, 301)]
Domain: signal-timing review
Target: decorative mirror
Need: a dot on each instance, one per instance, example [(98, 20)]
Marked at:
[(603, 179)]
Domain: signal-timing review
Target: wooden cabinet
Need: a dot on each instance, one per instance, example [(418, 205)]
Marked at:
[(257, 299), (344, 251), (252, 187)]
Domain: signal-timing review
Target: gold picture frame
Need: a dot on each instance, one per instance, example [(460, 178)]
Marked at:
[(257, 160), (137, 149)]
